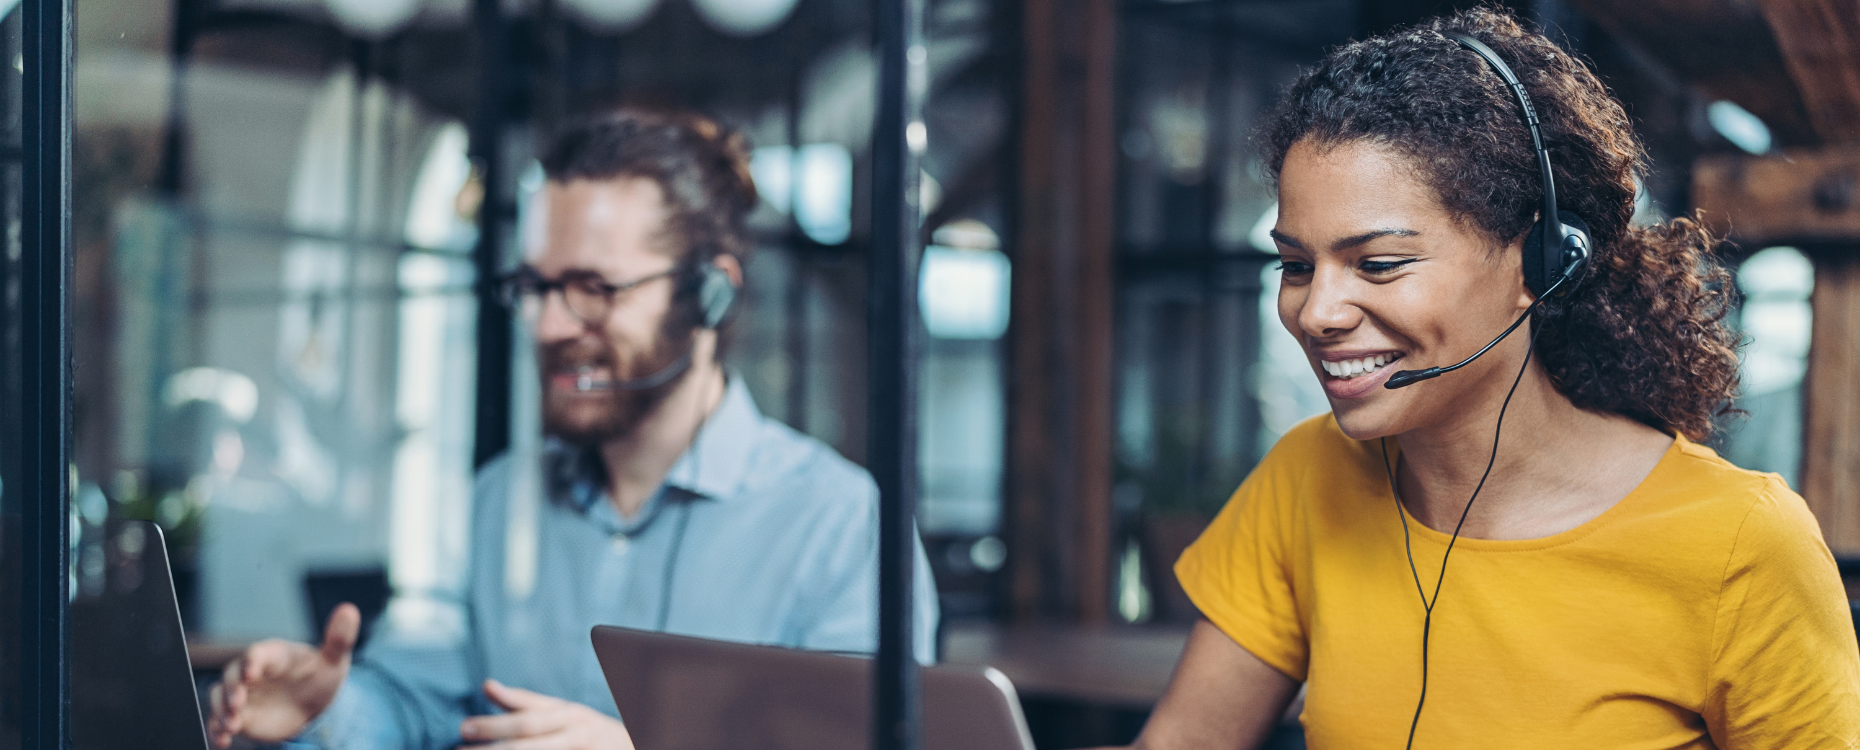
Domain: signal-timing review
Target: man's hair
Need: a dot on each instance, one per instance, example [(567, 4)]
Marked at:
[(701, 166)]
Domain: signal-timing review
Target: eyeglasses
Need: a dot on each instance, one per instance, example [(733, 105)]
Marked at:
[(589, 297)]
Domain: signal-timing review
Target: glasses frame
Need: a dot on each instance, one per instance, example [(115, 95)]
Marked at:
[(517, 287)]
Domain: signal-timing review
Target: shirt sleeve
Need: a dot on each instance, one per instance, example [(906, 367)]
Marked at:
[(842, 612), (1239, 572), (399, 694), (1785, 667)]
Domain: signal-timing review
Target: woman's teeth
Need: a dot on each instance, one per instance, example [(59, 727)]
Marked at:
[(1351, 368)]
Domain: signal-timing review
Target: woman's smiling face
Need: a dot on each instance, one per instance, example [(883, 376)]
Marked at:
[(1379, 277)]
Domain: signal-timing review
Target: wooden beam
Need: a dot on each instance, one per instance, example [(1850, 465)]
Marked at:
[(1725, 47), (1059, 460), (1795, 197), (1831, 399), (1820, 43)]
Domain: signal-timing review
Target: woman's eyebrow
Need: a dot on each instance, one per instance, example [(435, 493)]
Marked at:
[(1347, 242), (1361, 239), (1286, 239)]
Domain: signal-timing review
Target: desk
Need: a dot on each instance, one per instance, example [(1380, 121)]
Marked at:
[(209, 656), (1125, 666)]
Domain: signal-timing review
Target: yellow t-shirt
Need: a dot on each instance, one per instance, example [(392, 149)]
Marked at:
[(1704, 610)]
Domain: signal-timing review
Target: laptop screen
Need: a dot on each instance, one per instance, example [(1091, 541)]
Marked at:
[(131, 683)]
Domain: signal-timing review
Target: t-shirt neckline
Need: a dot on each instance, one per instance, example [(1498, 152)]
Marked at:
[(1607, 517)]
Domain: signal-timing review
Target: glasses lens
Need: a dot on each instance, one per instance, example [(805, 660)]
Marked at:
[(587, 299), (522, 292)]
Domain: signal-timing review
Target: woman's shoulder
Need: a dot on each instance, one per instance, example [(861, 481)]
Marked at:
[(1759, 508), (1700, 473)]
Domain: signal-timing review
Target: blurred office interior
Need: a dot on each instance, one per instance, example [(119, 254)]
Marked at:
[(281, 210)]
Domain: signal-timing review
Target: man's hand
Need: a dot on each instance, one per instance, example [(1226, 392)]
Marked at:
[(539, 722), (277, 687)]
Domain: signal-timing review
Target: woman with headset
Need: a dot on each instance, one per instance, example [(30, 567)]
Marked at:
[(1534, 550)]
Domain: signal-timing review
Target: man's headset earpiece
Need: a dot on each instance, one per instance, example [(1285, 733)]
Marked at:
[(1556, 251), (715, 295)]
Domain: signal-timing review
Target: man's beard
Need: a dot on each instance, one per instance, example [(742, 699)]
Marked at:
[(589, 418)]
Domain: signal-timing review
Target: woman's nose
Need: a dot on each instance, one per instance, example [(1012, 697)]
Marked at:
[(1329, 305)]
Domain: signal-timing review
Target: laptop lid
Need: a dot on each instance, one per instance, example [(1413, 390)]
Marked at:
[(682, 693), (131, 683)]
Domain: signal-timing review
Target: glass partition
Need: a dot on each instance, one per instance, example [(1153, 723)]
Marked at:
[(12, 364), (277, 206)]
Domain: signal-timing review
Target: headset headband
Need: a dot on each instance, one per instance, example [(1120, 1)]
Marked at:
[(1550, 220)]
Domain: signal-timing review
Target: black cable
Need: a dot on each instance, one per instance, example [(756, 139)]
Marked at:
[(684, 516), (1427, 605), (671, 559)]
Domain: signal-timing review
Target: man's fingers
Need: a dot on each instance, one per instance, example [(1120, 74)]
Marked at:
[(268, 659), (516, 699), (234, 671), (345, 625), (512, 726), (216, 699), (557, 741)]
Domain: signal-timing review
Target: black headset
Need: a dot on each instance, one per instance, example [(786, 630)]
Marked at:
[(1558, 246), (716, 295), (1556, 250)]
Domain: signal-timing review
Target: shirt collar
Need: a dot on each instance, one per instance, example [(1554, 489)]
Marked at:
[(713, 468), (718, 460)]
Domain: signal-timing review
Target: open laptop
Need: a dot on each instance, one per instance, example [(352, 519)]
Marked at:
[(131, 683), (682, 693)]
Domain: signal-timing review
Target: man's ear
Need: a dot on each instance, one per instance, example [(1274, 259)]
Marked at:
[(731, 267)]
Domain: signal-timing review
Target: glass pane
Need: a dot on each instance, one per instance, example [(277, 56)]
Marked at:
[(278, 205), (10, 361), (274, 359), (1775, 320), (1207, 378)]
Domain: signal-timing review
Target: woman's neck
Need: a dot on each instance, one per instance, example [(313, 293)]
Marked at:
[(1557, 466)]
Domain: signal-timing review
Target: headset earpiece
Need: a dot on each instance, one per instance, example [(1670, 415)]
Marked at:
[(715, 295), (1569, 257)]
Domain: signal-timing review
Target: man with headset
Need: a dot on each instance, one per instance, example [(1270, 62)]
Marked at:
[(661, 498)]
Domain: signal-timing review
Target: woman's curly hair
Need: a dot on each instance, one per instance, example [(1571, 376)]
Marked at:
[(1643, 335)]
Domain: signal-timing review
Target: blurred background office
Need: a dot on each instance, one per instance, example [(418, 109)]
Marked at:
[(284, 209)]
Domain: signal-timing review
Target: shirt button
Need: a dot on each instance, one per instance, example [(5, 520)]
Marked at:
[(620, 543)]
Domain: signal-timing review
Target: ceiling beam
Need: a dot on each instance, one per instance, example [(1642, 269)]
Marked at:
[(1797, 196), (1725, 47), (1820, 43)]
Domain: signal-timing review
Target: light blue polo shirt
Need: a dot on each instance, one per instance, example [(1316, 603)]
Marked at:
[(760, 535)]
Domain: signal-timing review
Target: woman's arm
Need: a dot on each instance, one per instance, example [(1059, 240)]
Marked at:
[(1221, 696)]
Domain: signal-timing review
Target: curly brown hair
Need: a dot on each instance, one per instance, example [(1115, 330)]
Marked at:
[(1644, 334)]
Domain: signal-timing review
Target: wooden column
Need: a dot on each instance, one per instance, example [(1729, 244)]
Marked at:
[(1831, 399), (1058, 513), (1809, 198)]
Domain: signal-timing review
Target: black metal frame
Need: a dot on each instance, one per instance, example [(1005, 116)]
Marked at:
[(43, 483), (492, 422), (43, 486), (893, 339)]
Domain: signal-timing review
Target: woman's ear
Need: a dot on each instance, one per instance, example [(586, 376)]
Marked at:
[(1515, 255)]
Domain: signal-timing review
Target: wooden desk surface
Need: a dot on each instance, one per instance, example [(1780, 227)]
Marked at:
[(1118, 666), (211, 655)]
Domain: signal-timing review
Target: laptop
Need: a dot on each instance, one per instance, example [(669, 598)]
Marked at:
[(681, 693), (131, 683)]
